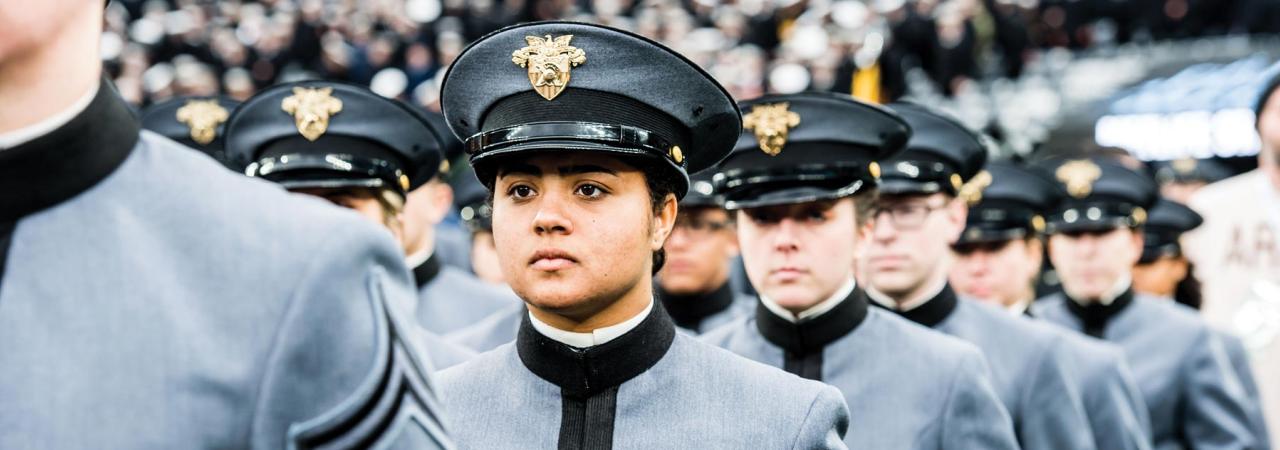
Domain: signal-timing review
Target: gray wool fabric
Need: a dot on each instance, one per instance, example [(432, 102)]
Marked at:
[(907, 387), (696, 396), (1030, 371), (1111, 398), (1193, 396), (455, 299), (175, 304)]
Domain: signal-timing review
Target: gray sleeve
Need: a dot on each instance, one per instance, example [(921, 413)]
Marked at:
[(1239, 357), (1052, 413), (346, 369), (826, 423), (1214, 415), (972, 415)]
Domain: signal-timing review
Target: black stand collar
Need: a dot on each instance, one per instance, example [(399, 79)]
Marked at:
[(583, 372), (1095, 315), (427, 271), (53, 168), (813, 334), (934, 311), (688, 311)]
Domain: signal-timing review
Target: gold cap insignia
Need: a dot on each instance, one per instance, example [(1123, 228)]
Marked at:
[(1184, 166), (971, 192), (677, 155), (874, 169), (203, 116), (956, 182), (1139, 216), (404, 182), (549, 61), (1037, 223), (1079, 176), (311, 109), (771, 123), (444, 166)]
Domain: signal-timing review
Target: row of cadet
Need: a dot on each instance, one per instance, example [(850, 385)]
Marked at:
[(887, 256)]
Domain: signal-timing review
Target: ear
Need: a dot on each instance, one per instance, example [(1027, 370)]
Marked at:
[(957, 213), (441, 200), (1135, 245), (664, 222), (1035, 254)]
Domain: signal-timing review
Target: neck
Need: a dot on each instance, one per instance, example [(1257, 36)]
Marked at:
[(920, 293), (424, 244), (626, 307), (49, 79), (1269, 164)]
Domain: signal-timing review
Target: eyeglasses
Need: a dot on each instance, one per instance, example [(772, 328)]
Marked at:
[(699, 227), (907, 216)]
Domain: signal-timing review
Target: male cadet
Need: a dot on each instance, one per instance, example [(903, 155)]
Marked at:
[(450, 298), (1192, 395), (1161, 273), (802, 182), (906, 267), (585, 135), (153, 299), (451, 244), (997, 259), (347, 145), (195, 122), (694, 283)]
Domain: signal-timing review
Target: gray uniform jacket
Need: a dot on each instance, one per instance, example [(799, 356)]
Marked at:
[(450, 299), (1030, 369), (907, 387), (1239, 357), (1193, 396), (152, 299), (651, 388), (1117, 414)]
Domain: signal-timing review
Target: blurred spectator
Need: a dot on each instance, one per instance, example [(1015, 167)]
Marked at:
[(870, 48)]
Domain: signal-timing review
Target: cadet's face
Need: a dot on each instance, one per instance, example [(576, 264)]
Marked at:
[(484, 258), (698, 252), (424, 208), (1180, 192), (1089, 264), (1000, 272), (798, 255), (575, 232), (1160, 277), (904, 255), (25, 26)]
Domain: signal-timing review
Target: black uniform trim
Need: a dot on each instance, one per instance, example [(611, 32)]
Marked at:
[(688, 311), (1094, 316), (589, 377), (427, 271), (587, 423), (934, 311), (6, 238), (802, 343), (73, 158)]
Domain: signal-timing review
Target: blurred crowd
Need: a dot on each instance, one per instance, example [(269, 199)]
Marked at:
[(155, 49)]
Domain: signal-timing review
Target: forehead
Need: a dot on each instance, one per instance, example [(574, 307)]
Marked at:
[(554, 163), (898, 199), (797, 208)]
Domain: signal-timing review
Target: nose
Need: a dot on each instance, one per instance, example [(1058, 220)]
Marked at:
[(551, 217), (882, 228), (679, 238), (785, 238)]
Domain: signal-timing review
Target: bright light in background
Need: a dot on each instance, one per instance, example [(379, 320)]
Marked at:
[(1196, 134)]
